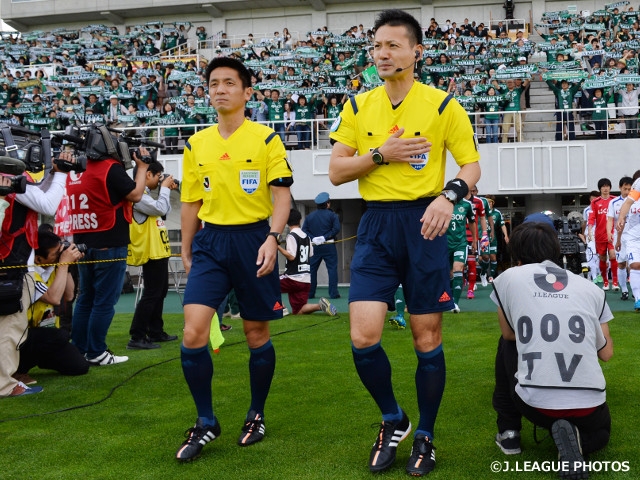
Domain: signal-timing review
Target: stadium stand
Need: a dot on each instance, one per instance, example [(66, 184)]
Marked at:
[(97, 73)]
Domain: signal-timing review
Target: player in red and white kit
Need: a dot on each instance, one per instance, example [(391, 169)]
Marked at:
[(481, 219), (598, 217), (616, 238), (629, 224)]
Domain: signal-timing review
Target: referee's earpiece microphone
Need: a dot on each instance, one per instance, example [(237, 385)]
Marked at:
[(417, 52)]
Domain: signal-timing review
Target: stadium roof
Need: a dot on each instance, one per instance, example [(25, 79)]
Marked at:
[(22, 16)]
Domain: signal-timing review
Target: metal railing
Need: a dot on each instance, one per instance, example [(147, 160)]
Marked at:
[(315, 134), (317, 129), (574, 121)]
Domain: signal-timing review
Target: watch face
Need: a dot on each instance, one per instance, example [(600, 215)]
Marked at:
[(377, 158), (449, 195)]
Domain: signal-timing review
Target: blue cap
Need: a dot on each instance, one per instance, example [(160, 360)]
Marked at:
[(539, 217), (322, 197)]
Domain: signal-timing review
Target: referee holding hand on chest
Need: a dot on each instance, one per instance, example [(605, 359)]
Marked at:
[(401, 132)]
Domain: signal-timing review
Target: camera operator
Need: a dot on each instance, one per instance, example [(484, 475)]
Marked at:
[(100, 211), (554, 330), (150, 248), (18, 238), (47, 346)]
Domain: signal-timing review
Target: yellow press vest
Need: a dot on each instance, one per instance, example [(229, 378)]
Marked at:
[(41, 313), (149, 241)]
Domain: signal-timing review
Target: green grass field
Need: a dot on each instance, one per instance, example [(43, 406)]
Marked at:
[(126, 421)]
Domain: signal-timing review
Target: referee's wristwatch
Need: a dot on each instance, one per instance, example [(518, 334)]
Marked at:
[(377, 157), (275, 235), (450, 195)]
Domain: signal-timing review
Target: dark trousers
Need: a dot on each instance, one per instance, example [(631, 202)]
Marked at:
[(171, 144), (147, 319), (49, 348), (601, 128), (631, 126), (304, 136), (565, 119), (279, 129), (64, 311), (594, 428), (329, 254)]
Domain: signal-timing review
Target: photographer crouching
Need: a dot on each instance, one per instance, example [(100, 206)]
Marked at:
[(18, 238), (554, 328), (47, 346)]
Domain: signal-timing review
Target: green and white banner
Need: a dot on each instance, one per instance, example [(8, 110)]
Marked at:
[(624, 79), (506, 75), (570, 75), (370, 75), (611, 6), (599, 83)]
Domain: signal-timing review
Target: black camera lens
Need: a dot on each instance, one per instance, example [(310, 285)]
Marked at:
[(82, 248), (18, 185)]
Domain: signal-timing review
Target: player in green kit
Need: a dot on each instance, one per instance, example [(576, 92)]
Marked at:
[(485, 235), (463, 212)]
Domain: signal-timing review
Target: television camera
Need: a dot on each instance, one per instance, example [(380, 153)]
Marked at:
[(15, 168), (98, 142), (572, 248), (23, 150)]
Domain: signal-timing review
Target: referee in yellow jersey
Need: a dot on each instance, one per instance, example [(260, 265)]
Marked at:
[(235, 176), (394, 141)]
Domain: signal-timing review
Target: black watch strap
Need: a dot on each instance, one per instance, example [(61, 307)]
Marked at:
[(275, 235), (377, 157)]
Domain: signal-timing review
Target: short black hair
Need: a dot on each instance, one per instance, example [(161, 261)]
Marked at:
[(636, 175), (237, 65), (45, 227), (46, 241), (294, 217), (625, 181), (400, 18), (155, 168), (534, 242), (604, 182)]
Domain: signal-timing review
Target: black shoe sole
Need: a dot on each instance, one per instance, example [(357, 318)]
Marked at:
[(568, 445), (187, 460), (427, 463)]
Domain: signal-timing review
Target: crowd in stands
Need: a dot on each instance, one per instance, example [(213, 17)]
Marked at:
[(590, 61)]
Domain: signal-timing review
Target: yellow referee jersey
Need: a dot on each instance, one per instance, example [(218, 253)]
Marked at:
[(231, 176), (425, 112)]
